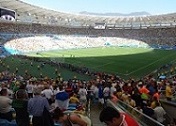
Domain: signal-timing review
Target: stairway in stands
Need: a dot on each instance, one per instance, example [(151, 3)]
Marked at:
[(94, 114)]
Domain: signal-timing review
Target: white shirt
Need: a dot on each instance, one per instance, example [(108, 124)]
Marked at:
[(106, 91), (113, 89), (47, 93), (82, 93), (96, 92), (29, 88), (159, 113)]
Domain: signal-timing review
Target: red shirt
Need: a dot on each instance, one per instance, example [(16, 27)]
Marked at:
[(129, 121)]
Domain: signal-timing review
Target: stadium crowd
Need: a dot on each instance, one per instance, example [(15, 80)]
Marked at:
[(153, 36), (65, 42), (26, 94)]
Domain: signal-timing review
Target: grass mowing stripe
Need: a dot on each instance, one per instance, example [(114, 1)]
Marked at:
[(150, 64)]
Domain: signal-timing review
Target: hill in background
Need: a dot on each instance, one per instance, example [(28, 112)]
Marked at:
[(142, 13)]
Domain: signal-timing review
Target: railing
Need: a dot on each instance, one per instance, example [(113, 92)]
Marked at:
[(140, 117)]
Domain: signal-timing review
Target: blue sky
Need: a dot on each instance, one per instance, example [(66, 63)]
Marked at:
[(105, 6)]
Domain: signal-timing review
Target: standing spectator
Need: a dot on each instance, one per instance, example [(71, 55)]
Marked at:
[(36, 107), (5, 105), (47, 92), (100, 93), (62, 99), (82, 96), (95, 92), (106, 93), (168, 92), (137, 97), (144, 92), (29, 88), (112, 117), (20, 106), (156, 94)]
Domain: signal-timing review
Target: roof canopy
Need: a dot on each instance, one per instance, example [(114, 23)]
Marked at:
[(34, 14)]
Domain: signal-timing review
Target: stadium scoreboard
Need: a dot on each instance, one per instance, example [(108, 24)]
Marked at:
[(7, 14)]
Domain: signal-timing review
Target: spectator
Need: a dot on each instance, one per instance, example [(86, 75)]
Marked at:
[(62, 99), (148, 110), (114, 98), (70, 119), (82, 96), (73, 99), (20, 106), (131, 102), (30, 89), (106, 93), (169, 92), (112, 117), (47, 92), (5, 106), (159, 113), (36, 107), (144, 92)]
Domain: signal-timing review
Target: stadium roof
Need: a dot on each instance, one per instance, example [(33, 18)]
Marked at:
[(34, 14)]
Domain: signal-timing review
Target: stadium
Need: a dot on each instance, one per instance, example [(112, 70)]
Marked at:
[(86, 50)]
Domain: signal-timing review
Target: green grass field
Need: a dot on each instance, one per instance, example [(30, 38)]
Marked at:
[(46, 71), (125, 62)]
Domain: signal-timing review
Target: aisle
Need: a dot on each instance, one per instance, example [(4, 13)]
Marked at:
[(94, 114)]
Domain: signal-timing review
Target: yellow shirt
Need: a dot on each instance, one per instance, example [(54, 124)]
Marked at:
[(74, 99), (168, 92)]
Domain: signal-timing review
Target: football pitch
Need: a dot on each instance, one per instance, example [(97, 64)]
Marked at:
[(126, 62)]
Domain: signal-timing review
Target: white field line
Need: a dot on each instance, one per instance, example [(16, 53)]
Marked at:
[(170, 62), (106, 65), (103, 65), (148, 65)]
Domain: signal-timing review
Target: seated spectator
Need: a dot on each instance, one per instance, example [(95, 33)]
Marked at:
[(131, 102), (112, 117), (4, 122), (148, 110), (154, 101), (70, 119)]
